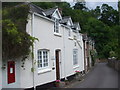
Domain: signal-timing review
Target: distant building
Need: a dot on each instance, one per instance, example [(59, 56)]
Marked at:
[(89, 47)]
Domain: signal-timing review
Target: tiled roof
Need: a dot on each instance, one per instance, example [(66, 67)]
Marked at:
[(65, 19), (36, 9), (33, 8), (75, 24), (50, 11)]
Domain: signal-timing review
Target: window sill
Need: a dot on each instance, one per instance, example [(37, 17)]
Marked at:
[(44, 71), (57, 34), (76, 67), (70, 38)]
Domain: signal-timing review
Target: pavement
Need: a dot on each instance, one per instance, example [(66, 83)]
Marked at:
[(101, 76)]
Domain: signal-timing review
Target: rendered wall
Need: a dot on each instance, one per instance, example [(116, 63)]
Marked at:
[(43, 29)]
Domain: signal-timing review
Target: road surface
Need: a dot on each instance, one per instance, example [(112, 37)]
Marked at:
[(101, 76)]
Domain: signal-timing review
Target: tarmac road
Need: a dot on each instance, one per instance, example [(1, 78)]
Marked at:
[(101, 76)]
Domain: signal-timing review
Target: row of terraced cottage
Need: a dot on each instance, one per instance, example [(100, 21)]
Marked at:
[(60, 51)]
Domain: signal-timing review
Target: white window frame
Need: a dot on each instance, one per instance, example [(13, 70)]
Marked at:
[(69, 33), (42, 59), (56, 26), (75, 56)]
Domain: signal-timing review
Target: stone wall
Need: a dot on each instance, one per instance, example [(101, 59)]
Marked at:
[(114, 64)]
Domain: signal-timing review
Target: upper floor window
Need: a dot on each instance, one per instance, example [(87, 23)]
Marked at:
[(42, 56), (75, 37), (75, 56), (69, 33), (56, 26)]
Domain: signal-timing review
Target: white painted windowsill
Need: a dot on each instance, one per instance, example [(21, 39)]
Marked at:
[(44, 71), (57, 34), (76, 67), (70, 38)]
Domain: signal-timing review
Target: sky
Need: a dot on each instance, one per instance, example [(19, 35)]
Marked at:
[(91, 4)]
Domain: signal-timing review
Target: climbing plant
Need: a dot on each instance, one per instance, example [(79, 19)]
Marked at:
[(16, 42)]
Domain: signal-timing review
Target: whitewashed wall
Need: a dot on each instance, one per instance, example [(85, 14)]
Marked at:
[(26, 75), (69, 46), (43, 29)]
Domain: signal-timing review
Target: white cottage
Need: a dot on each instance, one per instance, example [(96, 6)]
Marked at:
[(57, 55)]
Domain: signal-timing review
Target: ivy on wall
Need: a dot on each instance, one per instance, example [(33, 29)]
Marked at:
[(16, 42)]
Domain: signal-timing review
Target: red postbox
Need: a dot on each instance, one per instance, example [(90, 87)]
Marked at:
[(11, 72)]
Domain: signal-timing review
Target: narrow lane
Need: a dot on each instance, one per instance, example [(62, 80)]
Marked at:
[(101, 76)]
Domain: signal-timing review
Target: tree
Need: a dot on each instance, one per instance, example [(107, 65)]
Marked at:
[(98, 31), (16, 42), (115, 40), (80, 6), (96, 12), (108, 15), (9, 4), (102, 23)]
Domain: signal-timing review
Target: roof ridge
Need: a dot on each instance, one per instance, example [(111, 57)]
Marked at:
[(52, 8), (67, 17), (37, 6)]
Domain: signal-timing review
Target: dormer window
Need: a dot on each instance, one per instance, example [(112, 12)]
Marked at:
[(67, 21), (76, 27), (56, 26), (69, 33)]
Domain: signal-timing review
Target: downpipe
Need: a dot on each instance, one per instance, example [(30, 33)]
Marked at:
[(32, 22)]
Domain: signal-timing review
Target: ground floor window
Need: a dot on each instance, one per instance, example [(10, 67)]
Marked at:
[(75, 56), (42, 56)]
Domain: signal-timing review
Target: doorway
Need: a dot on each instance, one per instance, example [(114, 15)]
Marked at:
[(57, 56)]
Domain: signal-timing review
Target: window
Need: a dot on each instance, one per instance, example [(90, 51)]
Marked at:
[(42, 58), (75, 37), (69, 33), (75, 56), (56, 26)]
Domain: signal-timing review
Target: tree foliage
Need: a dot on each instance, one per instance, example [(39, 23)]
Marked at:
[(101, 23), (16, 41), (80, 6)]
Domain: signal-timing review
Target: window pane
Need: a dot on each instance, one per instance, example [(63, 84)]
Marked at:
[(69, 33), (42, 58), (40, 65), (56, 26), (75, 58)]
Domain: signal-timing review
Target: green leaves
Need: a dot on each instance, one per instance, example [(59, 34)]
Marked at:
[(16, 41), (102, 24)]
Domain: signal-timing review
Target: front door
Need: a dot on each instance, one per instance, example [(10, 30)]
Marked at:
[(57, 55), (11, 72)]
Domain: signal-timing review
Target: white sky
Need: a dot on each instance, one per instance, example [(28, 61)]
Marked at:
[(91, 4)]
